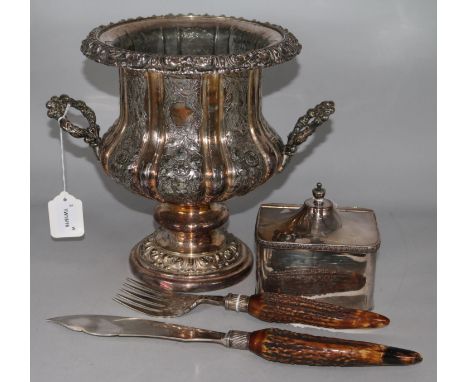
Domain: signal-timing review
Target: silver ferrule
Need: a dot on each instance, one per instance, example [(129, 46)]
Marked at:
[(236, 302), (237, 339)]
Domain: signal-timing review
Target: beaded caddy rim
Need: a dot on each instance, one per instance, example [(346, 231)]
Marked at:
[(281, 48)]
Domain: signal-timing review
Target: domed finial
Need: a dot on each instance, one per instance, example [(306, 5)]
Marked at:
[(318, 191)]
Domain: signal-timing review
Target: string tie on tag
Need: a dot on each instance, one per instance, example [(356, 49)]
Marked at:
[(61, 147), (64, 113)]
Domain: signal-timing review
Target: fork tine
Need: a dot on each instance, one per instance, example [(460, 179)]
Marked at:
[(154, 296), (137, 300), (139, 296), (142, 306), (146, 297), (138, 308), (139, 289), (142, 309)]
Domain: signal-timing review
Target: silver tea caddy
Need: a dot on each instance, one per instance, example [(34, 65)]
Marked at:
[(318, 250)]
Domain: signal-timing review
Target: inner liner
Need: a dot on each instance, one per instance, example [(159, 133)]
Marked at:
[(194, 36)]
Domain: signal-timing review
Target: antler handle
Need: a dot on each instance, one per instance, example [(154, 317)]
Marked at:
[(277, 307), (303, 349)]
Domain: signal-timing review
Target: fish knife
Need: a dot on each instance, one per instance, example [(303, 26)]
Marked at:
[(271, 344)]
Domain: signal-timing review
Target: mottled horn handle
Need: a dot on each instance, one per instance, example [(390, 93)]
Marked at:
[(275, 307), (303, 349), (57, 109), (306, 126)]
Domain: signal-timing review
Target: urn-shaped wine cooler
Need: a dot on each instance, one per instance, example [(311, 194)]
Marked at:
[(190, 134)]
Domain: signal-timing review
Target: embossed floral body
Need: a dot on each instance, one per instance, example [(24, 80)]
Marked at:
[(191, 139), (190, 134)]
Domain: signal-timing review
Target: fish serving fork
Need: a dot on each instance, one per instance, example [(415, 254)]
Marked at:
[(270, 307)]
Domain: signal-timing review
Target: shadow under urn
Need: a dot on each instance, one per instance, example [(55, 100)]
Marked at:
[(190, 134)]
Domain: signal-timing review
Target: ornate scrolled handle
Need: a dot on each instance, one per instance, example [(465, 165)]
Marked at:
[(306, 126), (57, 108)]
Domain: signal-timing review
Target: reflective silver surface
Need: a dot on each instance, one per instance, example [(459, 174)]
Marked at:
[(110, 326), (318, 250), (386, 45), (190, 134), (188, 44), (155, 302), (190, 251)]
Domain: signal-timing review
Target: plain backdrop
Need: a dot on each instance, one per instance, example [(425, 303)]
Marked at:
[(375, 58)]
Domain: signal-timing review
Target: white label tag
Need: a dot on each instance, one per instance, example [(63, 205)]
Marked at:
[(66, 216)]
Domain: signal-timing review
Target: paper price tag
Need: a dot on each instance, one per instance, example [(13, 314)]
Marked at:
[(66, 216)]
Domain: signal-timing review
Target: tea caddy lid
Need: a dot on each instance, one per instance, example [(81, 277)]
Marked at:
[(317, 218), (318, 224)]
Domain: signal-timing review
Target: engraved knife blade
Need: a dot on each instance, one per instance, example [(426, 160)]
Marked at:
[(111, 326), (271, 344)]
